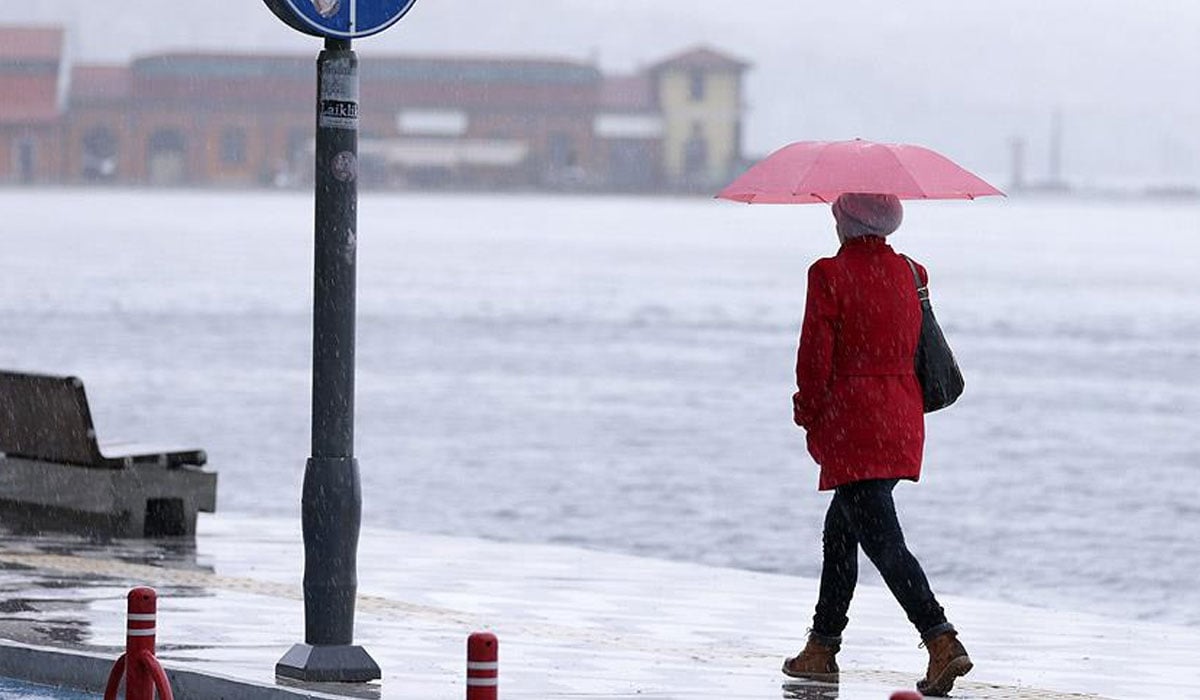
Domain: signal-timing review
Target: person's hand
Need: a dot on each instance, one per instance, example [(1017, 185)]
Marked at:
[(797, 416)]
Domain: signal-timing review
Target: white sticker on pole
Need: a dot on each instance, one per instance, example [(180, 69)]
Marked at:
[(339, 95)]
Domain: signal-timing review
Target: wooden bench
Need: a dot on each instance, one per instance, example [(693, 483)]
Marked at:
[(55, 474)]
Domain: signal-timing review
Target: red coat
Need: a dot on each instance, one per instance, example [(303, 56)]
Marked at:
[(858, 394)]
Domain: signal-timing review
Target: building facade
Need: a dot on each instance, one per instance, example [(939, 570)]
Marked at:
[(32, 98), (700, 98), (222, 119)]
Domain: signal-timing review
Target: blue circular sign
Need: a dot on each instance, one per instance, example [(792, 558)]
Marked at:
[(340, 19)]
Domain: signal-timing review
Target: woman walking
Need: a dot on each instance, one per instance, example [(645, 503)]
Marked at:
[(860, 402)]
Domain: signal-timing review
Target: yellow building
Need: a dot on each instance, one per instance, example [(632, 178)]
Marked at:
[(699, 95)]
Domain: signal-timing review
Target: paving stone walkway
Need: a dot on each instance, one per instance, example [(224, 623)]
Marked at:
[(571, 623)]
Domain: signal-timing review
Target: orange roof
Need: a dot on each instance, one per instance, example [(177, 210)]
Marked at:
[(627, 93), (30, 44), (98, 83), (28, 99), (29, 60), (701, 57), (448, 69)]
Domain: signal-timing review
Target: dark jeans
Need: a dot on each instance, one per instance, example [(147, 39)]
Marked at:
[(864, 514)]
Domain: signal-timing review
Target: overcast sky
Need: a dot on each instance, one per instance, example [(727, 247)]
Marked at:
[(961, 76)]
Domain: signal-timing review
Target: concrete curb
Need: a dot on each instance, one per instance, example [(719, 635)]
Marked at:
[(89, 672)]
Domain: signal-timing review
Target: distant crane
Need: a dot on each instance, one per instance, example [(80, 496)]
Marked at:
[(1054, 182)]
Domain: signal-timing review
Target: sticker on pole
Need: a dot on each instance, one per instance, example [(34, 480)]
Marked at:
[(340, 19), (339, 95)]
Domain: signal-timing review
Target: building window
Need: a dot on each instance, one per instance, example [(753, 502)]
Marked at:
[(562, 152), (299, 145), (100, 149), (699, 82), (695, 153), (26, 161), (233, 146), (166, 162)]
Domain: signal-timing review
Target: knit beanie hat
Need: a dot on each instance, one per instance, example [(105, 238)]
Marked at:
[(862, 214)]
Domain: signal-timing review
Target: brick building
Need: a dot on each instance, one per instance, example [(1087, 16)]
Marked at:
[(33, 88), (236, 119)]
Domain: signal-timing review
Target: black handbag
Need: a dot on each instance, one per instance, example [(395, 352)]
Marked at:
[(937, 371)]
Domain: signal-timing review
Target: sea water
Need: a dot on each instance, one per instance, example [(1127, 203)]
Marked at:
[(20, 690), (616, 372)]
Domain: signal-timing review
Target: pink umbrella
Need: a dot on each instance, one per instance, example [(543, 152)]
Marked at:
[(819, 171)]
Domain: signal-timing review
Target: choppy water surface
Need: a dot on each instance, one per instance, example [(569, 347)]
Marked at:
[(18, 690), (616, 373)]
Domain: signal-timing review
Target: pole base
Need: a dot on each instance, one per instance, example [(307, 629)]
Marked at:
[(328, 664)]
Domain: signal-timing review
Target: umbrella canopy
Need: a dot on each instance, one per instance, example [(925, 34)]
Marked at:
[(819, 171)]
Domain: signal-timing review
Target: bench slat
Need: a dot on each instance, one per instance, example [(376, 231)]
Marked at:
[(47, 418)]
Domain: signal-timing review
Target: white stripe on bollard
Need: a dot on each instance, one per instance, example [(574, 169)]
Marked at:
[(483, 665), (141, 633), (484, 682)]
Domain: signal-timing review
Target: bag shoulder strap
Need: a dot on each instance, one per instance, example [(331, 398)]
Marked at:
[(922, 288)]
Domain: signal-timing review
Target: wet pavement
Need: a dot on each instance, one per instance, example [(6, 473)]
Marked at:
[(571, 623)]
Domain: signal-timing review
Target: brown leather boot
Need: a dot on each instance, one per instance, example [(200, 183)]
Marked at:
[(947, 661), (815, 662)]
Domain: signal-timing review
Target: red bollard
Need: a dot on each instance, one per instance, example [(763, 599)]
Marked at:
[(483, 666), (142, 672), (907, 695)]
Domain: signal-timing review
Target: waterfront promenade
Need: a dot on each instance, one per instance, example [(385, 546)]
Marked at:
[(572, 623)]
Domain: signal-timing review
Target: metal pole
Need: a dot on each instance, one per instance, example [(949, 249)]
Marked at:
[(332, 497)]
